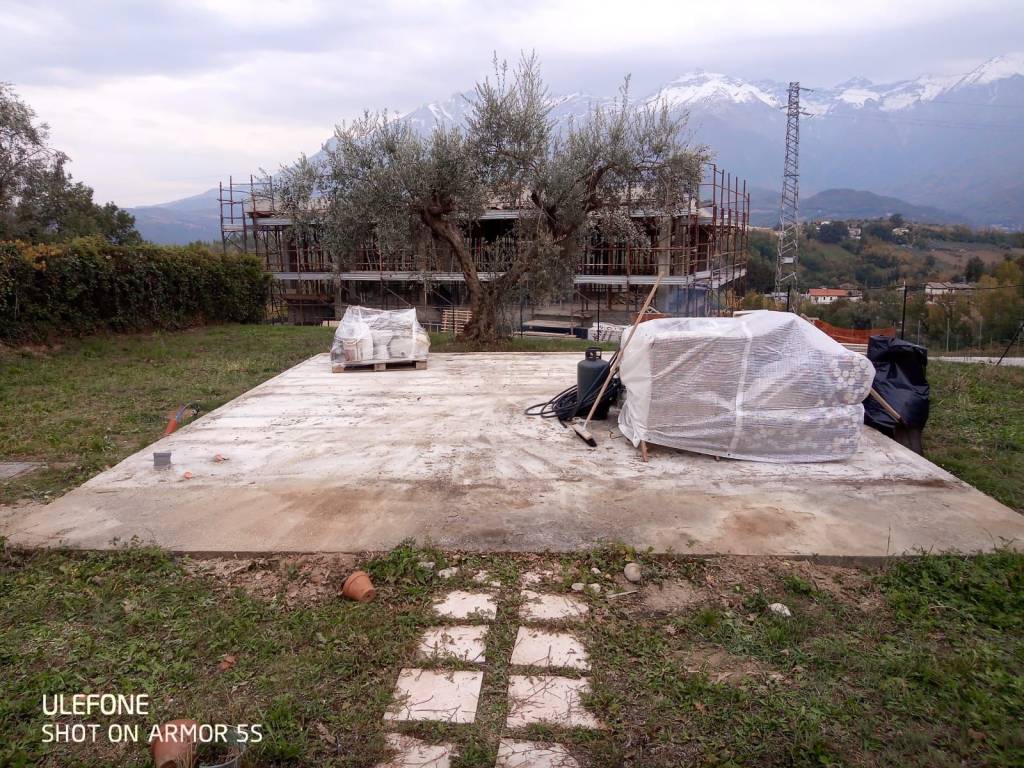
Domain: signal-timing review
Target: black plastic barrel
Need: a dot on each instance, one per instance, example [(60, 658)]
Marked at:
[(590, 373)]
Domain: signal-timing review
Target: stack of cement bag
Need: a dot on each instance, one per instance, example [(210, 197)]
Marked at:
[(764, 386), (376, 335)]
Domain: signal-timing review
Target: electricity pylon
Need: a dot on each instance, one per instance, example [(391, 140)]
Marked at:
[(789, 209)]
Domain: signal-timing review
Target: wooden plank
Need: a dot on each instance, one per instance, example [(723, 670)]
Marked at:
[(454, 320), (380, 365)]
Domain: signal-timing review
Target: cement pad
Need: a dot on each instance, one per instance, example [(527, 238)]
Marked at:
[(315, 461)]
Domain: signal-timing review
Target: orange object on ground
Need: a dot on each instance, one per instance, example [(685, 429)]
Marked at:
[(358, 587), (175, 420), (173, 749)]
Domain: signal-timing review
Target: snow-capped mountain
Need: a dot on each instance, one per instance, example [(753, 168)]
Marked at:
[(955, 142), (950, 141), (708, 88)]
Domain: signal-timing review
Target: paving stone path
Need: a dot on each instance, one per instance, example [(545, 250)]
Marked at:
[(451, 696)]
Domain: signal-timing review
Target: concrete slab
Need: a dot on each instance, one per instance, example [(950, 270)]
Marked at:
[(540, 648), (448, 697), (545, 607), (514, 753), (466, 605), (347, 462), (414, 753), (548, 699), (465, 643)]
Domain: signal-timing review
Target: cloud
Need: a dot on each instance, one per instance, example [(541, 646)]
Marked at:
[(160, 99)]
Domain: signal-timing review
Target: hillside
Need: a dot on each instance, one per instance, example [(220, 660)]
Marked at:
[(847, 204), (180, 221), (933, 253), (946, 148)]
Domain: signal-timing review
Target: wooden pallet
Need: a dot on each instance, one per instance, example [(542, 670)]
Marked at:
[(454, 320), (380, 365)]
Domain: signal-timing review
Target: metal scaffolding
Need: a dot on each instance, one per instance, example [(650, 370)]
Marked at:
[(701, 256)]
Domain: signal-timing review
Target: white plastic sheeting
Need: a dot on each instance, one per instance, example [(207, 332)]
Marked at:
[(375, 335), (605, 332), (764, 386)]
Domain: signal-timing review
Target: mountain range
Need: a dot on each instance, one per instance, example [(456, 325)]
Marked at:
[(953, 145)]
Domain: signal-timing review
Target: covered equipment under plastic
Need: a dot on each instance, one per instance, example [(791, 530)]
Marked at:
[(763, 386), (367, 335)]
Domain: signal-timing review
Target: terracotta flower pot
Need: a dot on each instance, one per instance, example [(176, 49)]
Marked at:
[(172, 750), (358, 587)]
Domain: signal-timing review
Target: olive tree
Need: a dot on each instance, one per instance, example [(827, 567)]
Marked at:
[(381, 181)]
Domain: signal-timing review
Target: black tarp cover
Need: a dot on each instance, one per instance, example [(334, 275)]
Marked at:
[(900, 378)]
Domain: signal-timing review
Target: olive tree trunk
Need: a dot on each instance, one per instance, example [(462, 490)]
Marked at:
[(484, 304)]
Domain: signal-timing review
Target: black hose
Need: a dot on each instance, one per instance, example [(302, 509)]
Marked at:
[(566, 405)]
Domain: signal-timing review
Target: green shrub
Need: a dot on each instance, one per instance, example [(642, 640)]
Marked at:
[(87, 286)]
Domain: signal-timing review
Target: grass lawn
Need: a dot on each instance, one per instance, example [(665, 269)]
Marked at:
[(976, 427), (920, 665)]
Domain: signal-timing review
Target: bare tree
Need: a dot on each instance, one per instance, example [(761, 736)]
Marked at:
[(383, 182)]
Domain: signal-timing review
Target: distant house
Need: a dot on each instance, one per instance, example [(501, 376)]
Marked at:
[(854, 233), (933, 291), (901, 233), (831, 295)]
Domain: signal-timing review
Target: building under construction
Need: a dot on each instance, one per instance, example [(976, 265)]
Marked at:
[(701, 258)]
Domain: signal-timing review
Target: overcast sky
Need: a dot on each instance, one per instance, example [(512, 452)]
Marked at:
[(158, 100)]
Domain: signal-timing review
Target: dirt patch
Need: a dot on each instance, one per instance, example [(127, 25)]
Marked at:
[(720, 666), (730, 579), (671, 597), (291, 580), (727, 582)]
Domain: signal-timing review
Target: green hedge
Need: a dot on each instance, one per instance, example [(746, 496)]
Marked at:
[(88, 285)]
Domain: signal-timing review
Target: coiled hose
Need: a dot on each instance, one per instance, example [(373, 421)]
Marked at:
[(567, 405)]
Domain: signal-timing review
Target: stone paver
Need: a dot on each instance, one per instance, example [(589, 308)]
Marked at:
[(483, 577), (514, 753), (535, 578), (413, 753), (548, 699), (540, 648), (465, 605), (11, 469), (545, 607), (465, 643), (422, 694), (453, 696)]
